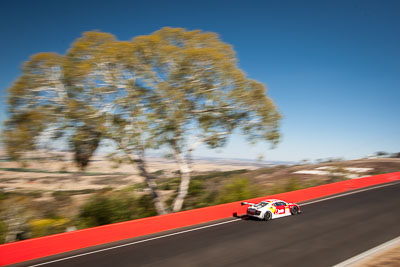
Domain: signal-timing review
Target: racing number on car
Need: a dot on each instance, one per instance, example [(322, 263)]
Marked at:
[(281, 210)]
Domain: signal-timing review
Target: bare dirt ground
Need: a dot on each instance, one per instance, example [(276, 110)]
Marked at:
[(44, 175), (56, 171), (332, 171), (49, 174), (386, 258)]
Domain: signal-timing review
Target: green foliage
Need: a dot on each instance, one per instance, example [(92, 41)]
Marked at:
[(238, 189), (135, 187), (292, 185), (203, 193), (314, 182), (171, 199), (143, 93), (199, 196), (35, 194), (3, 231), (196, 187), (62, 197), (101, 210), (144, 207), (158, 172), (205, 190), (336, 178), (104, 209), (220, 174), (41, 102), (204, 87), (3, 195), (43, 227), (61, 193), (168, 183), (84, 143)]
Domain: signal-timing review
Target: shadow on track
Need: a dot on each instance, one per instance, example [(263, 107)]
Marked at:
[(246, 217)]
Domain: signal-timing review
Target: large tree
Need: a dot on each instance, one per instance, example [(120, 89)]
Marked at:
[(199, 95), (172, 88), (106, 76), (35, 101), (42, 108), (86, 96)]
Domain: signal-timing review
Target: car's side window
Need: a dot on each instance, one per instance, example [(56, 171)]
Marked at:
[(280, 203)]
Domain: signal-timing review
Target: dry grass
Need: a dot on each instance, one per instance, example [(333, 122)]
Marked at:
[(52, 174), (386, 258)]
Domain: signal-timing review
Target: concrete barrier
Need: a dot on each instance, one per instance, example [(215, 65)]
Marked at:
[(50, 245)]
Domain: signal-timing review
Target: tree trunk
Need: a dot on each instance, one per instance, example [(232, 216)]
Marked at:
[(185, 171), (149, 179)]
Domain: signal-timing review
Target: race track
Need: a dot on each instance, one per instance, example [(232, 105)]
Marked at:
[(326, 233)]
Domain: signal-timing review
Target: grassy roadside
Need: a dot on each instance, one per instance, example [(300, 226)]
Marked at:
[(41, 213)]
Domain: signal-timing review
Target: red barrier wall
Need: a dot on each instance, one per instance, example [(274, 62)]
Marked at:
[(45, 246)]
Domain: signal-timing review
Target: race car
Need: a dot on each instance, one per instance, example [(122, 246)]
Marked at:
[(271, 209)]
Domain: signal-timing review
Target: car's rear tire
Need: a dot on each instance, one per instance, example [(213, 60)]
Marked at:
[(294, 210), (267, 216)]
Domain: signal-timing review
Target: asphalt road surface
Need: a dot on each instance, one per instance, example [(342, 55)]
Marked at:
[(325, 234)]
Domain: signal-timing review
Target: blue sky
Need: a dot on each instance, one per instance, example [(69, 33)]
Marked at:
[(332, 67)]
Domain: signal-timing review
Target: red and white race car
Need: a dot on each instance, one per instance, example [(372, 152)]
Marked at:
[(271, 209)]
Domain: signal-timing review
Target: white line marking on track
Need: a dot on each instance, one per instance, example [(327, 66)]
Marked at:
[(136, 242), (195, 229), (348, 193), (367, 253)]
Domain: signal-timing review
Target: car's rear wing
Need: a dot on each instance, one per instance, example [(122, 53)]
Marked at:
[(247, 203)]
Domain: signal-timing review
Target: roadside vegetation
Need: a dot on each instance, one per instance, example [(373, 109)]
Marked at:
[(25, 215), (28, 214), (171, 90)]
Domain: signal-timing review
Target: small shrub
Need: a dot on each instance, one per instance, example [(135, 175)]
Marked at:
[(196, 187), (238, 189), (104, 189), (139, 186), (165, 186), (43, 227), (208, 198), (292, 185), (168, 184), (220, 174), (3, 232), (158, 172), (35, 194), (169, 202), (3, 195), (99, 210), (61, 196), (144, 207), (115, 207), (63, 193)]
